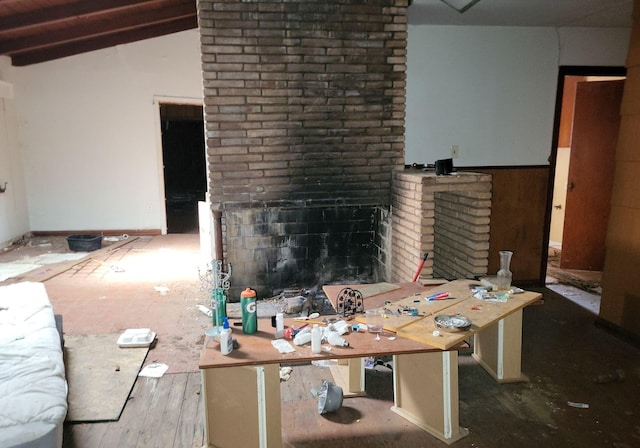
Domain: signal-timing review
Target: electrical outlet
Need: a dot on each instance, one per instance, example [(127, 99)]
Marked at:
[(455, 150)]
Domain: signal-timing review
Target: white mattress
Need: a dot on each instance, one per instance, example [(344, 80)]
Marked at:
[(33, 388)]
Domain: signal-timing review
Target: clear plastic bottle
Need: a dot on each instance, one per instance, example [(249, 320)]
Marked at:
[(316, 336), (226, 343), (279, 325)]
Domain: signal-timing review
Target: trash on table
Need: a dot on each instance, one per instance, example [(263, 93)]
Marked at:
[(282, 346), (329, 397)]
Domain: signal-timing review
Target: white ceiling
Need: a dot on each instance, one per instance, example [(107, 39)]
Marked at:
[(553, 13)]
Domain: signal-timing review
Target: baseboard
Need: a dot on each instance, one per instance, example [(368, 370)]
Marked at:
[(618, 331), (130, 232)]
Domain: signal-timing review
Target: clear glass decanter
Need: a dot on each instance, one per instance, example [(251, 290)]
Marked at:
[(503, 279)]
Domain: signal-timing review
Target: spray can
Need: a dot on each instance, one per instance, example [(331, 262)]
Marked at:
[(249, 311)]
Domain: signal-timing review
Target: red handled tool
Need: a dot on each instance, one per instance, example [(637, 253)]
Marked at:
[(420, 266)]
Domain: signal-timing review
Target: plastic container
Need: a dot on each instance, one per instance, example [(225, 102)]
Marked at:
[(316, 336), (249, 315), (136, 337), (279, 325), (84, 243), (226, 342)]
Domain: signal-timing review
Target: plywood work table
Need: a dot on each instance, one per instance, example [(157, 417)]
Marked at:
[(242, 389), (496, 330)]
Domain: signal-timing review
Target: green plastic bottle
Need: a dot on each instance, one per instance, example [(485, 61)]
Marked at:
[(249, 311)]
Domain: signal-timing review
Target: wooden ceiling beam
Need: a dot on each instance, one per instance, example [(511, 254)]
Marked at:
[(96, 27), (96, 43), (70, 11)]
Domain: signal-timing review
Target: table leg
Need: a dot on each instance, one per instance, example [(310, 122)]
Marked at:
[(349, 375), (498, 349), (426, 393), (242, 406)]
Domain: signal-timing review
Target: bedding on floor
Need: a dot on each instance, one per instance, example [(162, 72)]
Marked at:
[(33, 388)]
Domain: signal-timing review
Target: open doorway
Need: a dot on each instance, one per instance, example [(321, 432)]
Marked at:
[(184, 161), (587, 125)]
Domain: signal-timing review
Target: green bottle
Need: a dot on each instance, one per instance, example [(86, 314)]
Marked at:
[(220, 303), (249, 311)]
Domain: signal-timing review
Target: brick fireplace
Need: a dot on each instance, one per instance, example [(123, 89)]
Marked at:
[(304, 115), (446, 216)]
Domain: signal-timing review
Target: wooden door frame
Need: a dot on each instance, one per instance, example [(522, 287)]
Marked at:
[(564, 71)]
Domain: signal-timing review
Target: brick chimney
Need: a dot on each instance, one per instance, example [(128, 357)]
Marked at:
[(304, 113)]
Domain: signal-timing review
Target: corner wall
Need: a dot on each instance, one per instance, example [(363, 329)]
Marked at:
[(620, 303), (14, 217)]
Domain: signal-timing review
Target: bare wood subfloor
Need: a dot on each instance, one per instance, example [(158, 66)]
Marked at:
[(162, 412)]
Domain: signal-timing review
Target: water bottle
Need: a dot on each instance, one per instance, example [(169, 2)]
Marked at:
[(249, 311), (219, 305)]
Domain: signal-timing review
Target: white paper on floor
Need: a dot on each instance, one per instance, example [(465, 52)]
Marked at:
[(9, 270)]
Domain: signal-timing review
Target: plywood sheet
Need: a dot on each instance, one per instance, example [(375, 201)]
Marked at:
[(481, 313), (100, 376)]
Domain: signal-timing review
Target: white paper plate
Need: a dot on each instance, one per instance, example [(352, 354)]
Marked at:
[(136, 337)]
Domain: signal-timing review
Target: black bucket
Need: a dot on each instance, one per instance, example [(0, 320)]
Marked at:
[(84, 243)]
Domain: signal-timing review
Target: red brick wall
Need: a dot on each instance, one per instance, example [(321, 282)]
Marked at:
[(304, 109)]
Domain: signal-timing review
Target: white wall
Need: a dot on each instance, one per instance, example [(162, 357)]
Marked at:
[(89, 130), (492, 90), (87, 125), (14, 218)]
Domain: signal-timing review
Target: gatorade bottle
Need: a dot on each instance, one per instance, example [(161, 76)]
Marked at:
[(249, 312)]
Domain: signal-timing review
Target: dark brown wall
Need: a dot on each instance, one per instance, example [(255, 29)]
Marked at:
[(304, 109), (518, 208), (620, 303)]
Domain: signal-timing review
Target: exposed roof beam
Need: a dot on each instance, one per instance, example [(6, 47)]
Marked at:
[(68, 12), (90, 28), (96, 43)]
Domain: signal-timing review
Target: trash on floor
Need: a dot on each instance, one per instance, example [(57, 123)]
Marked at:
[(155, 370), (285, 373), (615, 377), (136, 337), (573, 404), (329, 397)]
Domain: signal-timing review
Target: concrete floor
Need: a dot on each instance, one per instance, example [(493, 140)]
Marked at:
[(563, 352)]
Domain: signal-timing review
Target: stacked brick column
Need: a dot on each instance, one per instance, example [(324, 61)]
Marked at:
[(447, 216), (304, 113)]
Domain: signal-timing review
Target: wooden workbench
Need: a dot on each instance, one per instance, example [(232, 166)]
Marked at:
[(242, 390)]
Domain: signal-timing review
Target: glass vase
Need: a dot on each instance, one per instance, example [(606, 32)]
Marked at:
[(503, 279)]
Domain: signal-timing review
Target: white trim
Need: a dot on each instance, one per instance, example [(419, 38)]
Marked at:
[(157, 100), (262, 407), (395, 381), (447, 429), (500, 354)]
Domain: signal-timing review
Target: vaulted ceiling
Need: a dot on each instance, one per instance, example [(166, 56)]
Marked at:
[(33, 31)]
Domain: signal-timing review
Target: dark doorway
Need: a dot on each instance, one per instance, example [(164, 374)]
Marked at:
[(183, 155)]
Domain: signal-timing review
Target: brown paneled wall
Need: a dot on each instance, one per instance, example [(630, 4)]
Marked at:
[(620, 305), (518, 209)]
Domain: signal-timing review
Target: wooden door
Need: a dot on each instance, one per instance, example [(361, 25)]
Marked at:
[(591, 169)]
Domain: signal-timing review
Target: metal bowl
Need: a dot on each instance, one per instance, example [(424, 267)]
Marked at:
[(455, 322)]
